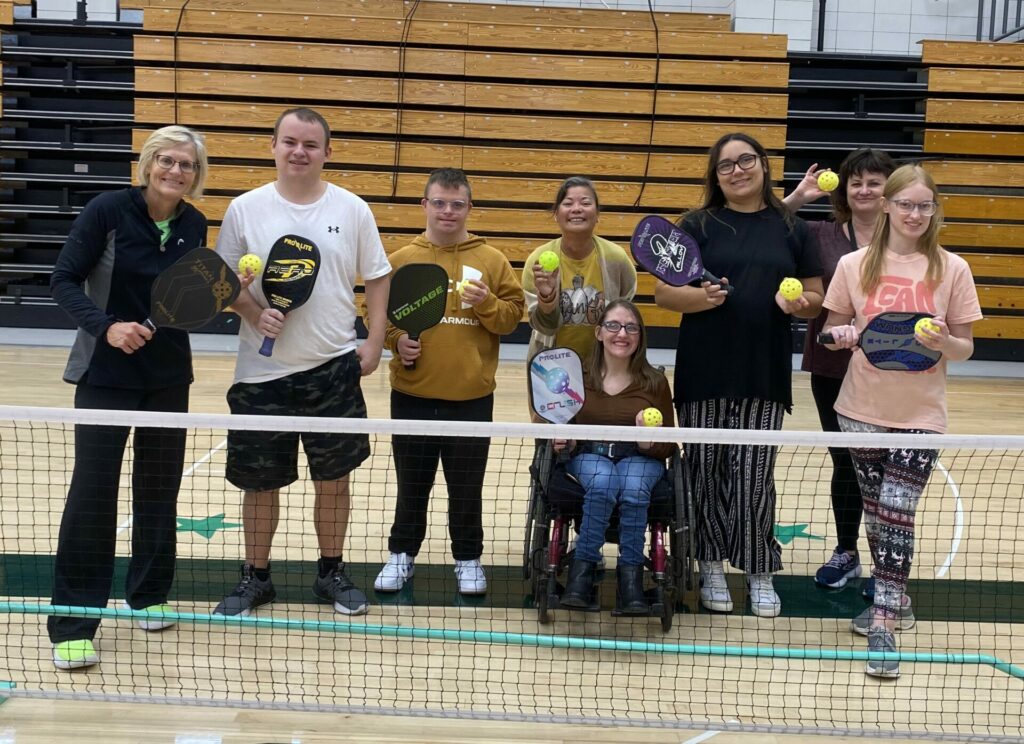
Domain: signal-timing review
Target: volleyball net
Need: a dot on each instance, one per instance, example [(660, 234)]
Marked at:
[(513, 651)]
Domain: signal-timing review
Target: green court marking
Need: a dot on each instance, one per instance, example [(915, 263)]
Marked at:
[(207, 526), (201, 581), (785, 534), (523, 639)]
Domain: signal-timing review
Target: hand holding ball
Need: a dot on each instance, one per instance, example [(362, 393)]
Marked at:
[(250, 262), (652, 417), (828, 181), (791, 289), (548, 261), (925, 324)]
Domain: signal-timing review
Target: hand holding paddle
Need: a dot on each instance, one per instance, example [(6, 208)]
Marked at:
[(673, 256), (416, 303), (890, 341), (288, 278)]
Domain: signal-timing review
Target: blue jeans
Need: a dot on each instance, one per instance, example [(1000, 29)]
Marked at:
[(628, 483)]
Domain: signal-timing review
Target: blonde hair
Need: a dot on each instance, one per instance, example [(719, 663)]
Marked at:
[(928, 244), (174, 136)]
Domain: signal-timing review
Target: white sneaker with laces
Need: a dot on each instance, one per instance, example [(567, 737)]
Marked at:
[(763, 600), (399, 569), (471, 577), (714, 592)]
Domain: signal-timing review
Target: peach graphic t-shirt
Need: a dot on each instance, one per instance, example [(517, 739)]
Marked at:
[(901, 400)]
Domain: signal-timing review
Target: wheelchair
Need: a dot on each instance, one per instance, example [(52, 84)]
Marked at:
[(556, 504)]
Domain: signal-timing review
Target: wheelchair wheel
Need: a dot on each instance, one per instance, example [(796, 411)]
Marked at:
[(544, 587), (536, 527), (668, 608)]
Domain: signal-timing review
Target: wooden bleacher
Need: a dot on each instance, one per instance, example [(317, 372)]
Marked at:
[(972, 143), (521, 97), (518, 97)]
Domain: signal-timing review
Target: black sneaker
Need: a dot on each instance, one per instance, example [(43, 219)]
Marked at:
[(338, 588), (248, 595)]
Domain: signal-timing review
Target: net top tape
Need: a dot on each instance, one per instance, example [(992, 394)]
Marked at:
[(387, 427)]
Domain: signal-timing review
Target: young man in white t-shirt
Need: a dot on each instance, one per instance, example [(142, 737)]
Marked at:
[(316, 365)]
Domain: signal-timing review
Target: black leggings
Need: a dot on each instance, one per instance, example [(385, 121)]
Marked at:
[(847, 507)]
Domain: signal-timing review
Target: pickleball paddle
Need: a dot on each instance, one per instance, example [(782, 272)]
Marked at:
[(670, 253), (190, 293), (289, 276), (888, 342), (417, 298)]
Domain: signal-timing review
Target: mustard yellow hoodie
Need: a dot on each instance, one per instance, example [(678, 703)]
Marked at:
[(460, 354)]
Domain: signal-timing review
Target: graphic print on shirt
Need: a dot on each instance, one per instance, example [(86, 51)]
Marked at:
[(581, 305), (897, 294)]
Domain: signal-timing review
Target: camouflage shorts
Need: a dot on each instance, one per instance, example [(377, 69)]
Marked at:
[(267, 460)]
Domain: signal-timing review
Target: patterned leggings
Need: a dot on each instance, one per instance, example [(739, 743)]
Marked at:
[(891, 482)]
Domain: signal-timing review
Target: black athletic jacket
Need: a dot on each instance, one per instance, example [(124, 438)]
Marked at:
[(104, 274)]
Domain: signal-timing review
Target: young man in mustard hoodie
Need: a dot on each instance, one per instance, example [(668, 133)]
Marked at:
[(453, 380)]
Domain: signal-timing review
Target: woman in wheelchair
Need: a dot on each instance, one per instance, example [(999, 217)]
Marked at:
[(620, 384)]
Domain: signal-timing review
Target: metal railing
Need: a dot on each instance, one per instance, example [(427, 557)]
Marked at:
[(1003, 17)]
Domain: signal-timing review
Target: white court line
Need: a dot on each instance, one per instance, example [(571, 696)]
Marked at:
[(702, 737), (958, 522), (128, 522)]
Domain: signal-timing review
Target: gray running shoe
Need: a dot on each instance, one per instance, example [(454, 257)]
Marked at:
[(248, 595), (338, 588), (882, 641), (863, 623)]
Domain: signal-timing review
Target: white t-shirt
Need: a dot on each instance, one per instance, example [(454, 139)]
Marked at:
[(342, 226)]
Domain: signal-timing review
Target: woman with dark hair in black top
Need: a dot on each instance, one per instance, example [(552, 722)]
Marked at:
[(734, 362)]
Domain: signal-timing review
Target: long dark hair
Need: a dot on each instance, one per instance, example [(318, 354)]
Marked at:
[(640, 370), (714, 199)]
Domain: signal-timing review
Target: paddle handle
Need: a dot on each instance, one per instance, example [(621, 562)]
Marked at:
[(268, 346), (412, 365), (707, 276), (149, 324), (826, 338)]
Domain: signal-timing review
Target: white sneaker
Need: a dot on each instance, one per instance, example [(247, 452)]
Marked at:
[(399, 569), (471, 577), (714, 592), (763, 599)]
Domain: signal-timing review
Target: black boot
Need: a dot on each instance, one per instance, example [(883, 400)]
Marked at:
[(629, 595), (580, 587)]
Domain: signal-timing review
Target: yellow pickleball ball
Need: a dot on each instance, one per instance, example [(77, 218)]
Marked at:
[(791, 288), (828, 181), (925, 324), (652, 417), (548, 261), (250, 262)]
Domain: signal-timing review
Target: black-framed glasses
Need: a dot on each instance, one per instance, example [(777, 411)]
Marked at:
[(440, 204), (614, 326), (905, 206), (745, 162), (167, 162)]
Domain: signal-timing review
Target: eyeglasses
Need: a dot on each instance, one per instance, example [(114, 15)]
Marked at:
[(614, 326), (905, 206), (440, 204), (167, 163), (745, 162)]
